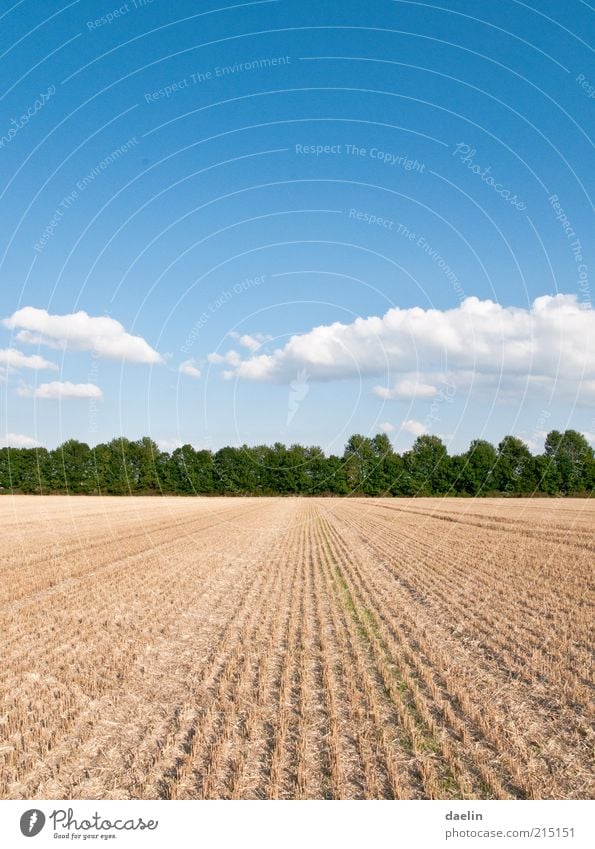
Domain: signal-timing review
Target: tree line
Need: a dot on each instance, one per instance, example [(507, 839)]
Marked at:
[(369, 466)]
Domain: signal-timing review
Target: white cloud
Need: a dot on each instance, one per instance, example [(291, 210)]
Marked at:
[(251, 342), (407, 388), (81, 332), (11, 358), (60, 390), (414, 427), (169, 444), (18, 440), (232, 358), (190, 369), (387, 427), (536, 441), (494, 348)]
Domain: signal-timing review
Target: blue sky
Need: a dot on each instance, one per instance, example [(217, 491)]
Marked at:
[(292, 221)]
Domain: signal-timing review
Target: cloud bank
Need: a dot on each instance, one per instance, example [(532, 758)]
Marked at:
[(480, 343)]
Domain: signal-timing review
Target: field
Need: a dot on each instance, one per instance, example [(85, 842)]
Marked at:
[(296, 648)]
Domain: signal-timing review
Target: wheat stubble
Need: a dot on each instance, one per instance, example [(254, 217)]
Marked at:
[(281, 648)]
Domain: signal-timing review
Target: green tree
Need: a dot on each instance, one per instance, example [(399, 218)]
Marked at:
[(278, 474), (318, 476), (380, 477), (5, 475), (516, 470), (396, 474), (114, 471), (478, 472), (369, 466), (237, 471), (569, 459), (335, 476), (426, 466), (27, 470), (141, 459), (72, 467), (191, 471), (361, 459)]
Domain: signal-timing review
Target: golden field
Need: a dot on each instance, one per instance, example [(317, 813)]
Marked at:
[(192, 648)]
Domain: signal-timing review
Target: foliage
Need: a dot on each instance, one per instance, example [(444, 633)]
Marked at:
[(369, 466)]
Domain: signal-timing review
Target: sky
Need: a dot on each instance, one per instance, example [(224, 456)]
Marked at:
[(294, 221)]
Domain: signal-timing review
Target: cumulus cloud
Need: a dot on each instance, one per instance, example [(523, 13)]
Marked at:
[(551, 344), (232, 358), (414, 427), (12, 359), (189, 368), (59, 390), (251, 342), (386, 427), (406, 389), (81, 332), (18, 440)]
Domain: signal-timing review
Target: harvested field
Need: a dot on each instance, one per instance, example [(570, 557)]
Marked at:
[(296, 648)]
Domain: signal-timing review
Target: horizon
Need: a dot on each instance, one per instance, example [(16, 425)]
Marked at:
[(168, 448)]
